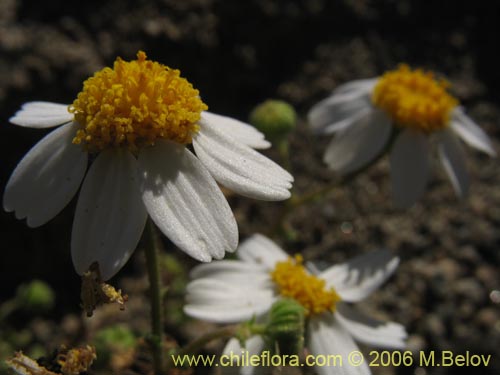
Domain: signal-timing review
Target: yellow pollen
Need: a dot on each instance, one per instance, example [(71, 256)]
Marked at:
[(414, 99), (292, 280), (134, 104)]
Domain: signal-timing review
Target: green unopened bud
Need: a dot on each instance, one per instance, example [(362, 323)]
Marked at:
[(35, 296), (286, 326), (274, 118)]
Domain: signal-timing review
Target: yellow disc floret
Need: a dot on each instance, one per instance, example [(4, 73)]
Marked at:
[(414, 99), (134, 104), (292, 280)]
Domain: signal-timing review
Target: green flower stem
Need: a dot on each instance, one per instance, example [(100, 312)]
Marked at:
[(296, 201), (155, 294), (321, 193), (284, 151)]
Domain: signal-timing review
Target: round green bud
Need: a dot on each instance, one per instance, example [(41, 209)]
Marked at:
[(274, 118), (285, 329), (36, 296)]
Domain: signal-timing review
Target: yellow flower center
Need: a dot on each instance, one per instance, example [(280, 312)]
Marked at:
[(134, 104), (414, 99), (292, 280)]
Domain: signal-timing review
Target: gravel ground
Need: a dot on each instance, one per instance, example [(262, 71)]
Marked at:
[(446, 291)]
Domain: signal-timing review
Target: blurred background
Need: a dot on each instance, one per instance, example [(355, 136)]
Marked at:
[(239, 53)]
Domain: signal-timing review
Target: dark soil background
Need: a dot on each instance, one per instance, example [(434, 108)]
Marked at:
[(238, 53)]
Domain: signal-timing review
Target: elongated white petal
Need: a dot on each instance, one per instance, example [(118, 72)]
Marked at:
[(339, 126), (46, 178), (110, 215), (226, 313), (347, 104), (410, 167), (453, 159), (239, 167), (42, 115), (371, 331), (185, 202), (339, 111), (470, 132), (238, 130), (359, 277), (254, 346), (328, 339), (361, 86), (221, 302), (203, 291), (233, 272), (260, 250), (358, 144)]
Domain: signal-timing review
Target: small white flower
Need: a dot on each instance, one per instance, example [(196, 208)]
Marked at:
[(235, 291), (136, 120), (364, 114)]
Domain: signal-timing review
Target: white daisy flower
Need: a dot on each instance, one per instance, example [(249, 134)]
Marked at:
[(135, 121), (236, 291), (410, 104)]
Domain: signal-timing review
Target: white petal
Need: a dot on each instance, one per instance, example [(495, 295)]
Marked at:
[(239, 167), (371, 331), (359, 277), (221, 302), (185, 202), (410, 167), (212, 292), (347, 122), (254, 345), (347, 104), (46, 178), (233, 272), (359, 144), (328, 339), (453, 159), (337, 113), (470, 132), (238, 130), (357, 86), (260, 250), (110, 215), (42, 115)]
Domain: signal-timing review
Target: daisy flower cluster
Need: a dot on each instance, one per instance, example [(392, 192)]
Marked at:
[(404, 111), (138, 142), (135, 121), (229, 291)]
